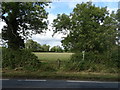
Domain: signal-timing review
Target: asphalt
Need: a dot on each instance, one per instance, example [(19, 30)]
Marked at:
[(35, 83)]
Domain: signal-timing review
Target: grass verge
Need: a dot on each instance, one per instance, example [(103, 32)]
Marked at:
[(60, 75)]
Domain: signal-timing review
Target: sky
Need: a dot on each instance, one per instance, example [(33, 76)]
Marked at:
[(59, 7)]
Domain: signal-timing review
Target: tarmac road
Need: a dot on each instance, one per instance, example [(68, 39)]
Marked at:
[(35, 83)]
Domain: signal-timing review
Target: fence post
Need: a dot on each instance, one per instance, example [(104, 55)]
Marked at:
[(58, 63), (83, 55)]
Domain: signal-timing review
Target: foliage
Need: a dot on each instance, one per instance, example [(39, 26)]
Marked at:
[(48, 66), (118, 15), (114, 57), (95, 62), (22, 20), (56, 49), (93, 30), (88, 28), (22, 58), (78, 64), (118, 25), (36, 47), (32, 45), (45, 48)]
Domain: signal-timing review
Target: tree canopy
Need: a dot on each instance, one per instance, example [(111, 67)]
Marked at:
[(56, 49), (23, 19), (36, 47), (88, 28), (32, 45)]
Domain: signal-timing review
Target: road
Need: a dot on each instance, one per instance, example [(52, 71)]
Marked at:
[(32, 83)]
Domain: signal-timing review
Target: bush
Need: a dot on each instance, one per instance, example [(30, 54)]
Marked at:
[(114, 58), (48, 67), (77, 66), (20, 58), (93, 61), (89, 57)]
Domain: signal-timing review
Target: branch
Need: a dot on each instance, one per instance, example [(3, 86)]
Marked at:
[(3, 17)]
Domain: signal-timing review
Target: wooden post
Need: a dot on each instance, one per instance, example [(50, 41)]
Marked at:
[(83, 55), (58, 63)]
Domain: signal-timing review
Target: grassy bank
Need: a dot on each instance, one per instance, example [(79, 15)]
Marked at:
[(60, 75)]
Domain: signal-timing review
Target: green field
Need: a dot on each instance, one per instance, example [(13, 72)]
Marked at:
[(53, 56)]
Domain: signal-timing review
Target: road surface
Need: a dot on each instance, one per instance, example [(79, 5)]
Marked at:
[(32, 83)]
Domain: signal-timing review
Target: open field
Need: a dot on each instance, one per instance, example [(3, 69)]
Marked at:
[(53, 56)]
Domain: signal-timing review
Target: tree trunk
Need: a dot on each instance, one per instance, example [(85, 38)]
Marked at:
[(10, 33)]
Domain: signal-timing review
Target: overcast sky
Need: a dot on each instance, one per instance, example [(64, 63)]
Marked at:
[(65, 7)]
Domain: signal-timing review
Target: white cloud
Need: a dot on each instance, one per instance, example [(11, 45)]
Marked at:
[(51, 17), (50, 7), (46, 38), (93, 0), (1, 25), (72, 5), (104, 0), (112, 9), (85, 0)]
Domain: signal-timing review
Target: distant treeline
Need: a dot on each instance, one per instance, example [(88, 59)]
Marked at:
[(36, 47)]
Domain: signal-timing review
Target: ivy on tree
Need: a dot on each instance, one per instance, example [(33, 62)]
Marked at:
[(23, 19)]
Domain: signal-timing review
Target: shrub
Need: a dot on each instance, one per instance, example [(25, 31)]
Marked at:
[(91, 61), (77, 63), (20, 58), (114, 58), (48, 67)]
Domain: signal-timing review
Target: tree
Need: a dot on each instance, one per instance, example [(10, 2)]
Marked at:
[(23, 19), (45, 48), (56, 49), (89, 28), (33, 45), (118, 25)]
